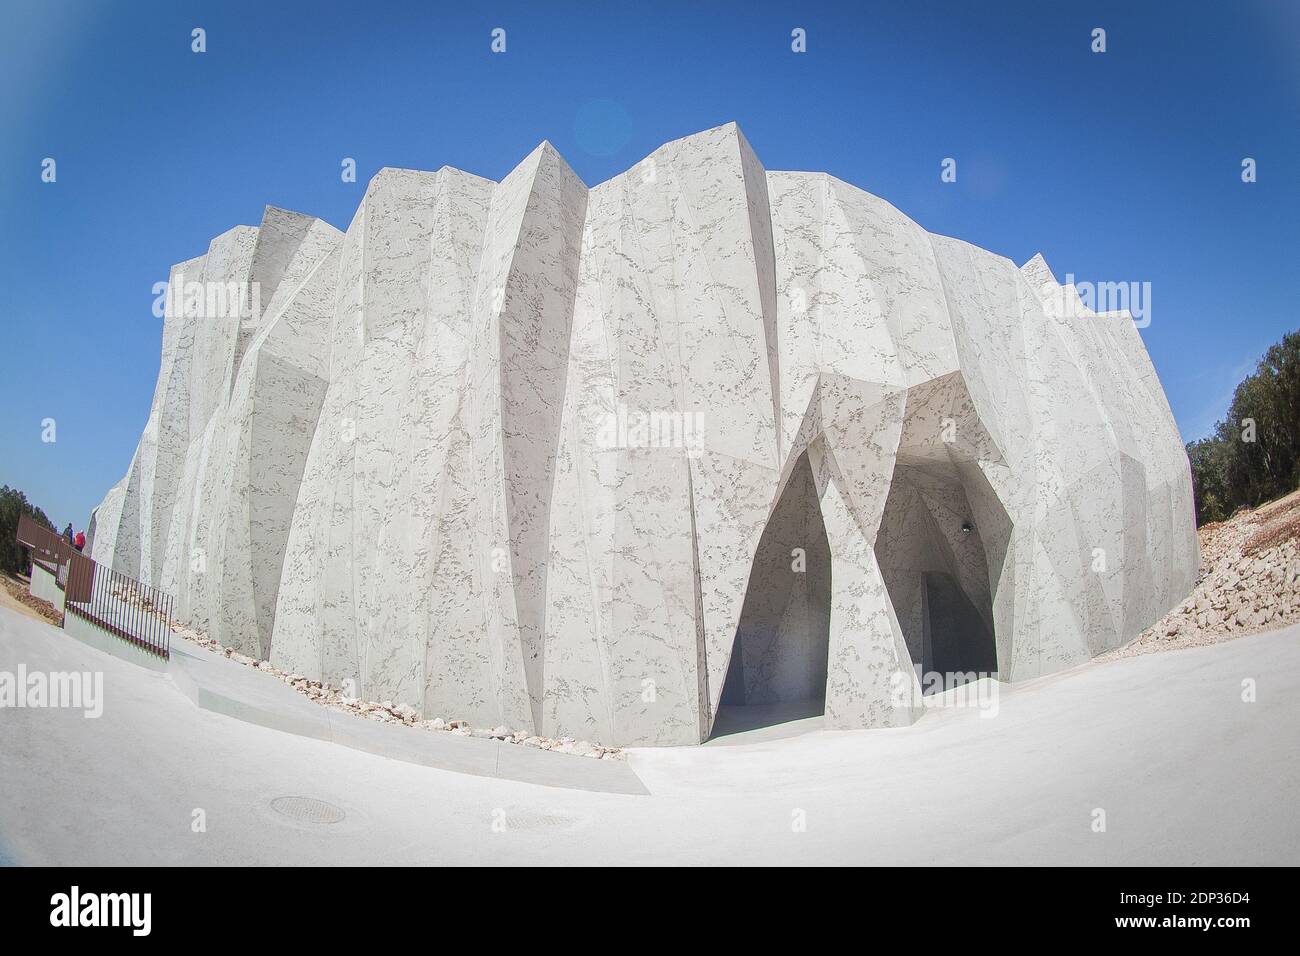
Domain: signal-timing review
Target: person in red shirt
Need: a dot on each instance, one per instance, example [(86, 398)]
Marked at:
[(80, 541)]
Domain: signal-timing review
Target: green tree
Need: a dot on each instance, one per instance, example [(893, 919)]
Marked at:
[(1209, 460), (1254, 454), (13, 556)]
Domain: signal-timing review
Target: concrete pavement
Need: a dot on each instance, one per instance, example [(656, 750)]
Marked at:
[(1163, 748)]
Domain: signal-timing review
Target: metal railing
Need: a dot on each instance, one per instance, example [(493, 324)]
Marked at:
[(119, 604), (46, 545), (108, 599)]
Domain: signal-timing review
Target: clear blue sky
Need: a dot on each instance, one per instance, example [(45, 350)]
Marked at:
[(1122, 166)]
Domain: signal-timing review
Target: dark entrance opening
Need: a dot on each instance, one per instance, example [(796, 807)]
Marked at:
[(777, 671), (932, 557), (960, 639)]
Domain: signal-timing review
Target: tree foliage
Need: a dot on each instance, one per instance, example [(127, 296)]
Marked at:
[(13, 557), (1253, 454)]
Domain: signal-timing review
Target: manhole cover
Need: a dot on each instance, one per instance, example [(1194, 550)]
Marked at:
[(307, 810)]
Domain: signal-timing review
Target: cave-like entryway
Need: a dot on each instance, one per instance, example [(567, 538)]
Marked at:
[(777, 671), (933, 560)]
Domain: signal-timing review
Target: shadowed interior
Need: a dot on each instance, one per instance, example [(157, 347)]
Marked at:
[(777, 670), (935, 567)]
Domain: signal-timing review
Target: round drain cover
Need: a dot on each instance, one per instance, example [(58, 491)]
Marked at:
[(307, 810)]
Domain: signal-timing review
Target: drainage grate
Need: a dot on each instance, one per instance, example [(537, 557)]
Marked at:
[(307, 810)]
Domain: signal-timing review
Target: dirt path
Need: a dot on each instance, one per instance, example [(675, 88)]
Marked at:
[(14, 595)]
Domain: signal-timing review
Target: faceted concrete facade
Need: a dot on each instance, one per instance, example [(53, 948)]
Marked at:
[(533, 454)]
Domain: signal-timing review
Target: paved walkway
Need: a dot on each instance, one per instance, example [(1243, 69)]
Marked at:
[(215, 683), (218, 684), (1185, 771)]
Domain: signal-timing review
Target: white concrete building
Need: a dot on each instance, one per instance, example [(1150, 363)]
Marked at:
[(596, 462)]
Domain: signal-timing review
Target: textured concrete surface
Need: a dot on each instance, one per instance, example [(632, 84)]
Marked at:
[(92, 635), (45, 586), (1185, 770), (510, 451)]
